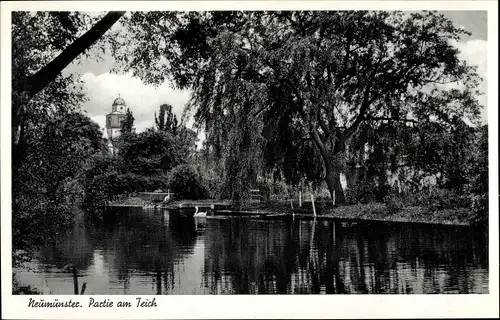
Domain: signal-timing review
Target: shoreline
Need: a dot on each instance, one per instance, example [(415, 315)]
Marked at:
[(376, 212), (365, 212)]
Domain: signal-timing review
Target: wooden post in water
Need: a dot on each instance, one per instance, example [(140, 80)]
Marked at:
[(333, 231), (312, 201), (158, 282), (313, 228), (84, 286), (311, 243), (314, 208), (75, 280)]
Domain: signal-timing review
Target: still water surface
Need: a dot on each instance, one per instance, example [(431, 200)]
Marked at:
[(154, 252)]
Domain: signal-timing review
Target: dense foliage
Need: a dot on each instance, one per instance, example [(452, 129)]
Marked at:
[(48, 183), (51, 140), (145, 162), (422, 165), (317, 75), (108, 186)]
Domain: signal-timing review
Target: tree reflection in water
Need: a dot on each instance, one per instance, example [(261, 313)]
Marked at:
[(251, 256), (133, 243), (153, 251)]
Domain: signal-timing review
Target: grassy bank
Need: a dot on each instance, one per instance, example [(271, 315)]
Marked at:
[(131, 201), (380, 212), (370, 211)]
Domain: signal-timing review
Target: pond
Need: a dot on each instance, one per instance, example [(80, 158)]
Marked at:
[(158, 252)]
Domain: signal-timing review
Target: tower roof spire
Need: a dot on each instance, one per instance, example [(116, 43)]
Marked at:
[(119, 101)]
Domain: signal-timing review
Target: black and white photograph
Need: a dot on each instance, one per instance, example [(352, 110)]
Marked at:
[(249, 152)]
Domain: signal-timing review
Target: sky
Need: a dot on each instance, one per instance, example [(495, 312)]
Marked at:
[(103, 87)]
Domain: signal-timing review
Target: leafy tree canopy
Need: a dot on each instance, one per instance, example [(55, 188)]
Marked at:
[(152, 152), (328, 72)]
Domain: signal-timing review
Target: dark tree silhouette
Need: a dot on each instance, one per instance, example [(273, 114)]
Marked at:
[(128, 123), (166, 120)]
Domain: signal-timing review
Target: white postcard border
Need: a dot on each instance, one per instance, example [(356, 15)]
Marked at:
[(263, 306)]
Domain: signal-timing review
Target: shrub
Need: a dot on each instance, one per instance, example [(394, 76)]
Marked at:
[(186, 182), (366, 192), (417, 198), (437, 199), (359, 193), (394, 204), (479, 206)]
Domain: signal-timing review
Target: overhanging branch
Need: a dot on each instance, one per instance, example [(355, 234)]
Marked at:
[(49, 72)]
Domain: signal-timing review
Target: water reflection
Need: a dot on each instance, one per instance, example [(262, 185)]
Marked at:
[(156, 252)]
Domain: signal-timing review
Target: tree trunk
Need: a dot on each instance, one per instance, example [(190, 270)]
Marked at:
[(332, 179), (332, 176)]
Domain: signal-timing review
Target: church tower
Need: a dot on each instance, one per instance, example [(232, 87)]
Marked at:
[(114, 120)]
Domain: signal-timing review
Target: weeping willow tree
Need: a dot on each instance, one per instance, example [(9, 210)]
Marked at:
[(289, 153), (334, 72), (241, 156), (330, 72), (232, 128)]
